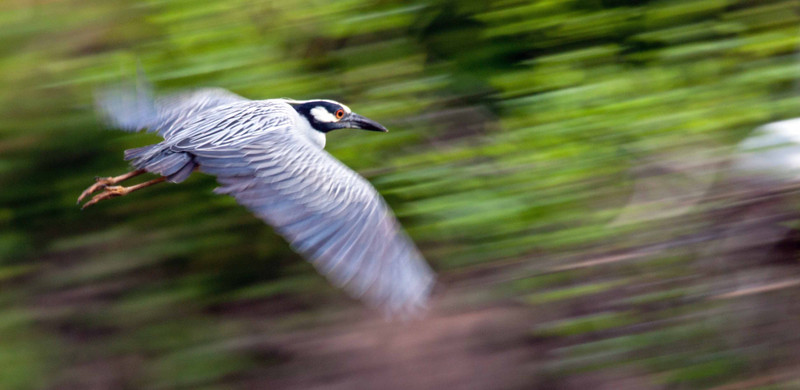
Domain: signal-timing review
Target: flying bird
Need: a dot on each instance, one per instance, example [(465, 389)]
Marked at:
[(269, 155)]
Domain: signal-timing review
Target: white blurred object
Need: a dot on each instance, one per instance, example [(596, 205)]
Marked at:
[(764, 172), (771, 152)]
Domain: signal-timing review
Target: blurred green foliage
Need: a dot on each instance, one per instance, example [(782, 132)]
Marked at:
[(514, 126)]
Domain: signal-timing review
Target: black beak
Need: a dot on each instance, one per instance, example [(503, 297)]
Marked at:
[(355, 121)]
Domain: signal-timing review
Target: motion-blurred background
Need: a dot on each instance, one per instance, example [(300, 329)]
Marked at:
[(570, 168)]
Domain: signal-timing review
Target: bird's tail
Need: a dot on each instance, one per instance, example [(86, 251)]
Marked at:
[(175, 166), (138, 156)]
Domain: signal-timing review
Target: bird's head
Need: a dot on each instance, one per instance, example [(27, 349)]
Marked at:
[(327, 115)]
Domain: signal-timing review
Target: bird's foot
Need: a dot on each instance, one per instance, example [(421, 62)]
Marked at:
[(115, 191), (100, 183), (108, 193)]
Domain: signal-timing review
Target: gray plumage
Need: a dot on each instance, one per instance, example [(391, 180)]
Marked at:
[(262, 155)]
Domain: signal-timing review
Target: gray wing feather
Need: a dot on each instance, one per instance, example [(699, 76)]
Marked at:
[(133, 107), (328, 213)]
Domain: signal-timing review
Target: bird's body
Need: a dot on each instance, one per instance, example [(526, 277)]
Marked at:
[(269, 155), (245, 122)]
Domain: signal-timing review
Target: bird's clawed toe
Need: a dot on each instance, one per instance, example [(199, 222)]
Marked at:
[(108, 193), (100, 183), (103, 183), (112, 191)]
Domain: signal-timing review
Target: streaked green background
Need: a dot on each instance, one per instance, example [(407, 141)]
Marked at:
[(535, 153)]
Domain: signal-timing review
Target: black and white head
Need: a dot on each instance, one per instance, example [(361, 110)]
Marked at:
[(328, 115)]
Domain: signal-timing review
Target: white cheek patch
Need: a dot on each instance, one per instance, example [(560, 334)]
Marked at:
[(322, 115)]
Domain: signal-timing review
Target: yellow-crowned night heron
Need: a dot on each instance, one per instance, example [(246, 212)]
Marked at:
[(268, 154)]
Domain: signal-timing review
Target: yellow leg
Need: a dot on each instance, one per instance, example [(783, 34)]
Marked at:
[(115, 191), (103, 182)]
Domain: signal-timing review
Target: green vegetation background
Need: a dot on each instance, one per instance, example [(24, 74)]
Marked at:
[(514, 129)]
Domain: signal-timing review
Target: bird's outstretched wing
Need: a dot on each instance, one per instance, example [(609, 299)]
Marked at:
[(327, 212), (133, 107)]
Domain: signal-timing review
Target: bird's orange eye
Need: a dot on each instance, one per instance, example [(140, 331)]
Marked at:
[(339, 113)]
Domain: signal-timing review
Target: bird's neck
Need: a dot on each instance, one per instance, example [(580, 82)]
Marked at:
[(314, 136)]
